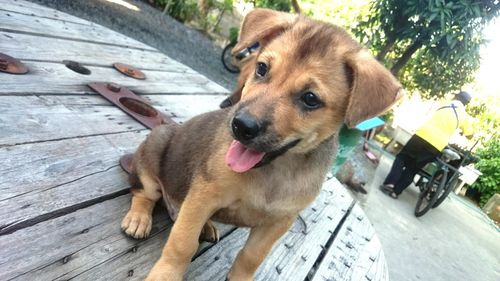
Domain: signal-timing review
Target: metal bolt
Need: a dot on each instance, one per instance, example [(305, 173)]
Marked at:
[(278, 269), (66, 259), (114, 87)]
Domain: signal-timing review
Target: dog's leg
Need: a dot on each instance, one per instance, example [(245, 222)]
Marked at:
[(138, 221), (209, 233), (258, 245), (197, 208)]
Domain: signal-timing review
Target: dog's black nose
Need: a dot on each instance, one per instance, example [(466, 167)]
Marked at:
[(245, 127)]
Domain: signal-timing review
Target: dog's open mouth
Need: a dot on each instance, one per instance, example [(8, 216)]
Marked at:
[(241, 158)]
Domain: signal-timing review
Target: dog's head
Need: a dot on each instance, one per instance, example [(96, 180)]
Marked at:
[(309, 77)]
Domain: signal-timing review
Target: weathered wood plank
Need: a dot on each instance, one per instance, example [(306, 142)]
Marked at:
[(63, 247), (33, 24), (42, 179), (294, 255), (27, 47), (355, 254), (139, 263), (29, 119), (55, 78), (86, 245), (55, 169), (28, 8)]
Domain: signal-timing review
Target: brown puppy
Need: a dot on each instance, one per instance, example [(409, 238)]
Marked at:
[(262, 161)]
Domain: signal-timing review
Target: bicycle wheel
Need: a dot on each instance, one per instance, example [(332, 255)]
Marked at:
[(228, 60), (428, 197), (444, 194)]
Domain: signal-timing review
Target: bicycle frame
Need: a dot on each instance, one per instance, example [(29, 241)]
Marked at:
[(446, 167)]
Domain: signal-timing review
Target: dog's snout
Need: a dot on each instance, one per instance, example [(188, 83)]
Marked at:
[(245, 127)]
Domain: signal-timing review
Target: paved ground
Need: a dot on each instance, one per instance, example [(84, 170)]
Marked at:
[(452, 242), (150, 26)]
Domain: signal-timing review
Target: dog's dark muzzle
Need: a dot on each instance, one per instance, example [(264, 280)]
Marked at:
[(245, 127)]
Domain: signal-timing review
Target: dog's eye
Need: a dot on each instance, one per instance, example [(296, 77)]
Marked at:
[(310, 100), (261, 69)]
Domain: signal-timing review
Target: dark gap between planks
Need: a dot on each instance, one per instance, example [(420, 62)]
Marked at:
[(77, 40), (13, 227), (321, 256), (44, 17), (107, 66)]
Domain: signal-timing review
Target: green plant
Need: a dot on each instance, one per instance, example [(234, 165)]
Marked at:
[(279, 5), (206, 14), (432, 45), (489, 182), (181, 10), (233, 34)]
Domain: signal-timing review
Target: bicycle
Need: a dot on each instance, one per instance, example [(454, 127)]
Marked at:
[(435, 186), (232, 62)]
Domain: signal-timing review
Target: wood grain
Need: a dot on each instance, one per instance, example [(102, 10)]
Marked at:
[(55, 78), (293, 257), (356, 252), (29, 119), (27, 47), (28, 8), (86, 245), (43, 179), (49, 27), (64, 247), (135, 266)]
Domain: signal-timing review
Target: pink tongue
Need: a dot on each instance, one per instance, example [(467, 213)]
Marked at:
[(240, 158)]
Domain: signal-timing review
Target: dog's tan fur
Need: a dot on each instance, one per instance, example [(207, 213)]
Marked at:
[(185, 163)]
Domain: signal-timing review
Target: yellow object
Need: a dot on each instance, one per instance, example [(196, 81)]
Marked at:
[(440, 127)]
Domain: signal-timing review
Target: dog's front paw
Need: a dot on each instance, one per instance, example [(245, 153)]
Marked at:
[(209, 233), (161, 272), (137, 224)]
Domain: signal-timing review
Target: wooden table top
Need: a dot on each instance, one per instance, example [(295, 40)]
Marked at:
[(63, 193)]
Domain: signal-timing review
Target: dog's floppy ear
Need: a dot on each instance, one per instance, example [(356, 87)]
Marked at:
[(262, 25), (373, 88)]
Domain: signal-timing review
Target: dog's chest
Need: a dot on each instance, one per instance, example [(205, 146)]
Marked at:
[(274, 192)]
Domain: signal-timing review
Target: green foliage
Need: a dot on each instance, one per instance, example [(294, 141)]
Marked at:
[(345, 14), (432, 45), (206, 17), (487, 118), (233, 34), (181, 10), (488, 183), (279, 5)]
